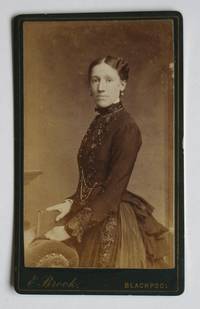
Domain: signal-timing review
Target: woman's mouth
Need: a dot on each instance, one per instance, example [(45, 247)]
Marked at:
[(101, 96)]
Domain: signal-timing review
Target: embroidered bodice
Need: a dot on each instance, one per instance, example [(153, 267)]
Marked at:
[(88, 155)]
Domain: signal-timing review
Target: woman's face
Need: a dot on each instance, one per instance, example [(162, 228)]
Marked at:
[(106, 85)]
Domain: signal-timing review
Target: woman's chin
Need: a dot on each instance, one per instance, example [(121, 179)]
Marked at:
[(103, 103)]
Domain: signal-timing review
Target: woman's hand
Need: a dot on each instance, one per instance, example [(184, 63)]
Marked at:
[(57, 233), (63, 208)]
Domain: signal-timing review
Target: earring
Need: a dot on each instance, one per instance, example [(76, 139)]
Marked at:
[(121, 93)]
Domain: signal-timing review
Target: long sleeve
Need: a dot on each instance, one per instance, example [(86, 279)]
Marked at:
[(126, 142)]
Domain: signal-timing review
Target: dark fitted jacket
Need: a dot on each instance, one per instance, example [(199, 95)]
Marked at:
[(106, 159)]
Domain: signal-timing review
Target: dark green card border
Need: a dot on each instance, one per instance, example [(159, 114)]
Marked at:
[(99, 281)]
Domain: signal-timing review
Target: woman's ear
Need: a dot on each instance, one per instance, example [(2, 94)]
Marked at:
[(123, 85)]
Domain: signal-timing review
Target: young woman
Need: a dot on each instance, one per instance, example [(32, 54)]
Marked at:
[(109, 226)]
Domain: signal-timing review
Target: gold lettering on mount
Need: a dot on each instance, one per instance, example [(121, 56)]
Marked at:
[(49, 282), (145, 285)]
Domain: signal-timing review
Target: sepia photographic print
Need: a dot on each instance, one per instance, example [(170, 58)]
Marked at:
[(98, 156)]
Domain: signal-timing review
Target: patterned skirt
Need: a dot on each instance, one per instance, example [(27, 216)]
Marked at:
[(129, 239)]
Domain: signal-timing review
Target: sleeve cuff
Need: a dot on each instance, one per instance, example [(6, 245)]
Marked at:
[(76, 226)]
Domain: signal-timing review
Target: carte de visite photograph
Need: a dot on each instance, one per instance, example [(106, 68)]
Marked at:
[(99, 144)]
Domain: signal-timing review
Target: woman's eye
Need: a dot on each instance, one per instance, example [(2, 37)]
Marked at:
[(109, 80), (94, 80)]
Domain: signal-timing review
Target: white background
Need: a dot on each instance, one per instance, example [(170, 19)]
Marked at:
[(191, 14)]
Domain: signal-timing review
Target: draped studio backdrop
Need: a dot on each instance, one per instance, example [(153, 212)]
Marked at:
[(58, 107)]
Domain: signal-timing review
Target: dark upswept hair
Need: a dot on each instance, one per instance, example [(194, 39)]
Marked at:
[(117, 63)]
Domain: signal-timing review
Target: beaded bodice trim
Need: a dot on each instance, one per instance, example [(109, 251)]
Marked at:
[(89, 148)]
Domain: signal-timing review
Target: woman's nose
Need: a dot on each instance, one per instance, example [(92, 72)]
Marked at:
[(101, 85)]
